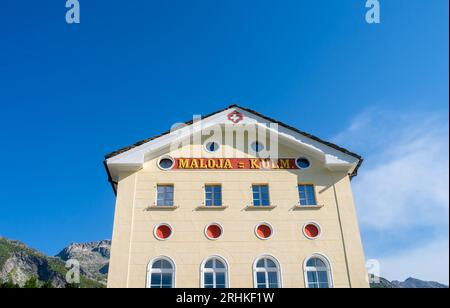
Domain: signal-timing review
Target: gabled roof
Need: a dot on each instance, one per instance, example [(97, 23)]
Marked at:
[(338, 148)]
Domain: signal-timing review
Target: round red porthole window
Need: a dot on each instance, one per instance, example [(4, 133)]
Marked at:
[(163, 232), (264, 231), (213, 231), (311, 230)]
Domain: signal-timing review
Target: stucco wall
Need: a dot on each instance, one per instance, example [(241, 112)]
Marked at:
[(134, 244)]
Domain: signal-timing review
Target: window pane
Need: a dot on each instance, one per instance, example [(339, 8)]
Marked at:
[(323, 277), (273, 279), (208, 279), (271, 264), (311, 200), (260, 263), (312, 278), (167, 280), (261, 278), (156, 280), (311, 263), (157, 264), (166, 264), (209, 264), (220, 280), (208, 189), (320, 263), (324, 285), (219, 264)]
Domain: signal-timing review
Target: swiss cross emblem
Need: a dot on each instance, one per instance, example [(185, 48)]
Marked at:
[(235, 117)]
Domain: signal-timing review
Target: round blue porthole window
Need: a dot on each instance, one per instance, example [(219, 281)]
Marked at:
[(166, 163), (303, 163), (257, 146), (212, 146)]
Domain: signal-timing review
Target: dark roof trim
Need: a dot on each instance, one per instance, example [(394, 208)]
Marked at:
[(331, 145), (110, 180), (125, 149)]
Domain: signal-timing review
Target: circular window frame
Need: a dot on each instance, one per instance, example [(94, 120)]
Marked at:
[(161, 225), (205, 231), (303, 157), (266, 224), (315, 224), (163, 158), (205, 146)]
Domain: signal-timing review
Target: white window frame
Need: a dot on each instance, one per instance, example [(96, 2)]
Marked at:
[(303, 157), (306, 194), (260, 195), (329, 269), (257, 270), (151, 270), (163, 158), (214, 270), (213, 194), (173, 195)]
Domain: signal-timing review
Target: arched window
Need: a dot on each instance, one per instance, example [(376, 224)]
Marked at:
[(266, 273), (214, 273), (161, 273), (318, 273)]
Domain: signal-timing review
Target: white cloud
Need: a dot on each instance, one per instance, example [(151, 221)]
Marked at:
[(406, 175), (402, 190)]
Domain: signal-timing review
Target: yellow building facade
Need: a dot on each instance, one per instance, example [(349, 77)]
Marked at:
[(196, 209)]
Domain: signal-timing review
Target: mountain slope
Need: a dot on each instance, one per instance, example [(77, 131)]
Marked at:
[(410, 283), (93, 258), (19, 263)]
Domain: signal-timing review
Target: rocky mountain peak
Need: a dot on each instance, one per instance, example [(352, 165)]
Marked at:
[(93, 258)]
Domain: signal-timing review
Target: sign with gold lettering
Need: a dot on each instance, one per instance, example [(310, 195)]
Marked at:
[(234, 163)]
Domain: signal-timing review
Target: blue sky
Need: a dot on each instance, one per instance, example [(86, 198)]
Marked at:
[(71, 93)]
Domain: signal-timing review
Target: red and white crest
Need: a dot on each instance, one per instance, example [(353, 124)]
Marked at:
[(235, 117)]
